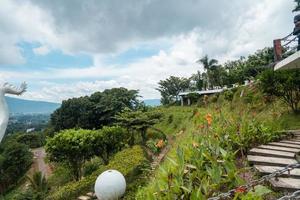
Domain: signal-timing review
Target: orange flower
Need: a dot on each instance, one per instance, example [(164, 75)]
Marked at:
[(160, 144), (195, 144), (240, 190), (208, 118)]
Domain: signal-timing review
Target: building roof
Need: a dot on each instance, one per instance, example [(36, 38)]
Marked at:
[(291, 62), (202, 92)]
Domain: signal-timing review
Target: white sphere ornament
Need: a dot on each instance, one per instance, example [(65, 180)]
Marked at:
[(110, 185)]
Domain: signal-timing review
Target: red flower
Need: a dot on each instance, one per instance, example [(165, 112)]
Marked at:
[(240, 189)]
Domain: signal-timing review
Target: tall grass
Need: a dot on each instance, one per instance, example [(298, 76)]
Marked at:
[(203, 162)]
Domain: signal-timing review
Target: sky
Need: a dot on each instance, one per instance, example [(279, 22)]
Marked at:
[(72, 48)]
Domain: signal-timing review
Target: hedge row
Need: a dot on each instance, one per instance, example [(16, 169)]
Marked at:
[(128, 162)]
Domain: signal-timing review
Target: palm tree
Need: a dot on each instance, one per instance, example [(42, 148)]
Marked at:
[(38, 182), (297, 8), (208, 65)]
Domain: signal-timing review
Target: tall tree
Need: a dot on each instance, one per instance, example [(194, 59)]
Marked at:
[(171, 87), (137, 121), (209, 66), (95, 111), (283, 84), (198, 81)]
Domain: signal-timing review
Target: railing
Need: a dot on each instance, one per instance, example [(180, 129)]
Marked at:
[(245, 188), (285, 46)]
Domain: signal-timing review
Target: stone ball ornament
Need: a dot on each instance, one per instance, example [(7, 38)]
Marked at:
[(110, 185)]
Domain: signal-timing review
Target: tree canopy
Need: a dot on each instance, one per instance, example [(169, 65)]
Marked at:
[(15, 160), (171, 87), (216, 75), (283, 84), (137, 121), (95, 111), (74, 147)]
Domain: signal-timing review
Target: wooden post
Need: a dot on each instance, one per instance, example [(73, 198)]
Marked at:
[(181, 100)]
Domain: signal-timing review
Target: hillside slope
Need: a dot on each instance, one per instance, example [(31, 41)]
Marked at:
[(209, 155)]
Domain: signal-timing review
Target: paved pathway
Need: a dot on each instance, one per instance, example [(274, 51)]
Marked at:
[(39, 163), (275, 156)]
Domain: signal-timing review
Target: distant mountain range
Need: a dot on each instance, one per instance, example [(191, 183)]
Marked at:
[(30, 107), (41, 107)]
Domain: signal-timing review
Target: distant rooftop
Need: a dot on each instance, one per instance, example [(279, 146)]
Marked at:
[(202, 92)]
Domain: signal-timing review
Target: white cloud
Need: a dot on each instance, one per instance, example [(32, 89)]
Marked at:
[(42, 50)]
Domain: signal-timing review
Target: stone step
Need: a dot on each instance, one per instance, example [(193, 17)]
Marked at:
[(84, 198), (271, 153), (270, 161), (284, 144), (291, 141), (290, 184), (295, 173), (91, 194), (293, 150)]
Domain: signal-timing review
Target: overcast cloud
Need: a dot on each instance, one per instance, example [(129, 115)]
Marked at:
[(181, 31)]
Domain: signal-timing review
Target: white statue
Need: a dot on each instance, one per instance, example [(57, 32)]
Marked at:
[(7, 88)]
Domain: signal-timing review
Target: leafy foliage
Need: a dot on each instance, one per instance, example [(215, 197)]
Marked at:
[(137, 121), (94, 111), (128, 162), (15, 160), (215, 75), (283, 84), (76, 146), (171, 87), (38, 184), (204, 163), (33, 140)]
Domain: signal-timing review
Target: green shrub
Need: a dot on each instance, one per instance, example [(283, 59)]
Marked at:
[(156, 146), (28, 194), (128, 162), (228, 95), (91, 166), (214, 98), (61, 176), (170, 118), (155, 135), (33, 140)]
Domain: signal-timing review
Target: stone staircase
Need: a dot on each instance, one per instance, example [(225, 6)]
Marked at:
[(274, 156)]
